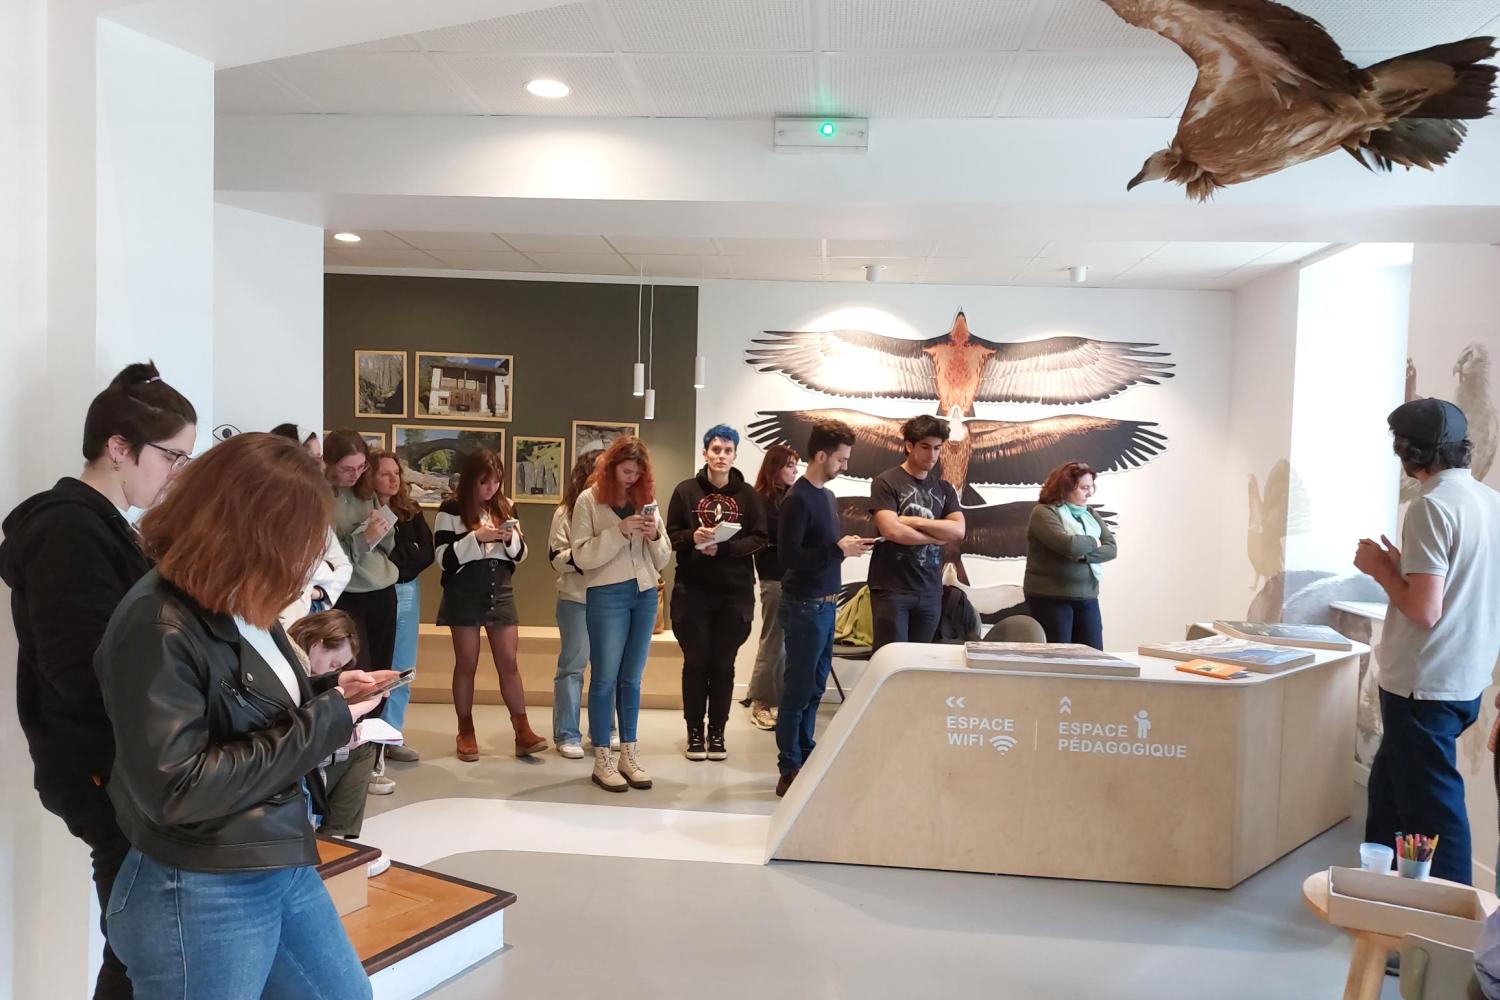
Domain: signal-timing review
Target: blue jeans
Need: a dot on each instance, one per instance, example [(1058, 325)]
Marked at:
[(572, 658), (808, 627), (1415, 785), (1068, 621), (904, 616), (231, 935), (621, 618), (408, 611)]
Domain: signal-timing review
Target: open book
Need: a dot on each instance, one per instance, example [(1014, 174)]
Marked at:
[(723, 532)]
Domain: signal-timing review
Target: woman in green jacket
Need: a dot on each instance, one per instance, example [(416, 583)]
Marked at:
[(1065, 547)]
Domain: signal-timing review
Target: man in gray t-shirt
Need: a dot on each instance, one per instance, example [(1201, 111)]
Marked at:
[(1441, 637)]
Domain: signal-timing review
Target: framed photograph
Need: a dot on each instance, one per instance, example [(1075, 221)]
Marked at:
[(596, 435), (374, 440), (380, 383), (464, 386), (433, 456), (536, 469)]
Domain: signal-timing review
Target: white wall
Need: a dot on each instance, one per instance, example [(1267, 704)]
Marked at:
[(268, 309), (1170, 517)]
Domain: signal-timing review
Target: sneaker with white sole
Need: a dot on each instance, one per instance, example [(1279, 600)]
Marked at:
[(571, 749), (761, 716), (377, 867), (607, 772), (381, 785), (630, 767)]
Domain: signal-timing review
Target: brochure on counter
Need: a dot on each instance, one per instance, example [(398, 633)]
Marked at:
[(1045, 658)]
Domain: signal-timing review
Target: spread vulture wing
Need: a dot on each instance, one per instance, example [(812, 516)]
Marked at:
[(855, 517), (878, 444), (1016, 454), (998, 531), (1067, 370), (848, 363)]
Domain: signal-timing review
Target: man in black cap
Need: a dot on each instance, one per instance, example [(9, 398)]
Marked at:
[(1441, 635)]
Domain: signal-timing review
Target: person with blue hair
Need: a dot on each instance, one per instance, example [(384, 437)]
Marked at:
[(716, 525)]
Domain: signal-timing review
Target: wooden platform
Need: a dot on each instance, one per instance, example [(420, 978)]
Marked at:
[(661, 687)]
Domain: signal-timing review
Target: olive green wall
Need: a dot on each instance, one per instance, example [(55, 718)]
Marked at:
[(573, 344)]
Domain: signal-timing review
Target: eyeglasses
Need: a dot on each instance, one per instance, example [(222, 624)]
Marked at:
[(179, 458)]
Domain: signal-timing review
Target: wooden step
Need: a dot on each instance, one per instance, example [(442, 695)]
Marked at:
[(343, 865)]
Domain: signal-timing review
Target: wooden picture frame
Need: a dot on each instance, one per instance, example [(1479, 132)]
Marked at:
[(374, 440), (585, 432), (427, 481), (468, 399), (545, 483), (375, 397)]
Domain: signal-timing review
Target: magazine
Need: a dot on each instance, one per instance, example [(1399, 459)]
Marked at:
[(1045, 658), (1227, 649), (1286, 634)]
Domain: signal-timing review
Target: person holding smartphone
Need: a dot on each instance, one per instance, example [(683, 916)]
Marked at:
[(479, 544), (620, 544)]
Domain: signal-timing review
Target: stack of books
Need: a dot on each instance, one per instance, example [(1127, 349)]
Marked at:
[(1247, 655), (1286, 634), (1044, 658)]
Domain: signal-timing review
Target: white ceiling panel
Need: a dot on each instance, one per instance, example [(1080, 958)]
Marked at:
[(1090, 24), (716, 26), (1286, 253), (681, 246), (452, 241), (250, 90), (891, 269), (368, 239), (485, 260), (777, 268), (499, 81), (982, 245), (877, 248), (1099, 254), (1101, 85), (973, 270), (582, 263), (916, 86), (362, 256), (392, 83), (1212, 253), (729, 86), (1374, 24), (752, 247), (929, 24), (554, 29), (542, 243), (398, 43), (679, 265)]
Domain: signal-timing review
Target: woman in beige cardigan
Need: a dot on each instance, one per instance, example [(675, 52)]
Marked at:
[(620, 545), (1065, 545)]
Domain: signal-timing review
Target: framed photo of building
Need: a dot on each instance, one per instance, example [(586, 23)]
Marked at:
[(433, 456), (536, 469), (464, 386), (597, 435), (374, 440), (380, 383)]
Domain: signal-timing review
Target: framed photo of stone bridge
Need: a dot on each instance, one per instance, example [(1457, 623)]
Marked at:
[(434, 455), (464, 386)]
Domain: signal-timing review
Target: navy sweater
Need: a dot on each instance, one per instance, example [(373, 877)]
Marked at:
[(808, 541)]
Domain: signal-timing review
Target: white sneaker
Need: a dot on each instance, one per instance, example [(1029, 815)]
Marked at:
[(377, 867), (630, 767), (761, 716), (381, 785), (573, 750), (606, 772)]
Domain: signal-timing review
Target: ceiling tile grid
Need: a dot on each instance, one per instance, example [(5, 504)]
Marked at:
[(734, 86), (713, 26), (940, 85), (928, 24), (1100, 85), (570, 28), (251, 90), (1396, 24), (499, 82), (1090, 24), (371, 83)]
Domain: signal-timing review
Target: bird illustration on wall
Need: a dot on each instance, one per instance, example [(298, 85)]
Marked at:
[(1475, 398), (957, 369), (982, 452), (1278, 511), (1274, 90)]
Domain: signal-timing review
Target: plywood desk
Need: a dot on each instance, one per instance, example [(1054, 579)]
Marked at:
[(1164, 779)]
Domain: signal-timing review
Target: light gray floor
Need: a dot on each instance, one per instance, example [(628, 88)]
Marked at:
[(613, 929)]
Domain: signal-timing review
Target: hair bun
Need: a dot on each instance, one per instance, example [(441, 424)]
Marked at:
[(137, 374)]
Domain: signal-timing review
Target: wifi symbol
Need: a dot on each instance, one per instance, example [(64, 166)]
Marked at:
[(1002, 743)]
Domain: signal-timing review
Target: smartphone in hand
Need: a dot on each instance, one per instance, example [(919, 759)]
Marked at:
[(649, 511)]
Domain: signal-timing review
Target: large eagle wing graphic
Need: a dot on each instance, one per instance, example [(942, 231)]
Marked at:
[(1067, 370), (994, 531), (878, 444), (851, 363), (1021, 453)]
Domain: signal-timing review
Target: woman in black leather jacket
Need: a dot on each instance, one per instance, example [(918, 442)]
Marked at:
[(217, 728)]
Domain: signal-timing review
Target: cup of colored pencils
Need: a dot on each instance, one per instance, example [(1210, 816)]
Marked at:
[(1414, 853)]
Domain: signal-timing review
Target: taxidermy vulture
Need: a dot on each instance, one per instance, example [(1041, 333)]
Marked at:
[(996, 531), (957, 369), (1474, 397), (987, 452), (1274, 90)]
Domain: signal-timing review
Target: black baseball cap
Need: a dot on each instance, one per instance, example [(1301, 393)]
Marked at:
[(1429, 422)]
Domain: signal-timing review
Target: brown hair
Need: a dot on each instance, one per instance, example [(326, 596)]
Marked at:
[(1062, 481), (139, 407), (405, 507), (241, 527), (770, 466), (583, 468), (339, 445), (625, 449), (826, 437), (326, 628), (479, 465)]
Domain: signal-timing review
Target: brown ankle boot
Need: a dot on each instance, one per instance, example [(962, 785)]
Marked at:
[(527, 742), (468, 746)]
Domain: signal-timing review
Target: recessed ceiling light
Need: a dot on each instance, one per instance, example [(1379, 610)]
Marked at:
[(548, 88), (346, 237)]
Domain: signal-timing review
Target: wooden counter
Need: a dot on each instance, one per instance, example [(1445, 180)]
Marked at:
[(1165, 779)]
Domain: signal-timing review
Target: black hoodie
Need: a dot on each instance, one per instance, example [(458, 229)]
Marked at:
[(68, 557), (730, 573)]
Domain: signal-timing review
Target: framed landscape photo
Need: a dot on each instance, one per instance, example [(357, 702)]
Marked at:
[(380, 383), (433, 456), (536, 469), (374, 440), (597, 435), (464, 386)]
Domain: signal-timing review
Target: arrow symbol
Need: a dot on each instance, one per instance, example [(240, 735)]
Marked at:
[(954, 702), (1065, 706)]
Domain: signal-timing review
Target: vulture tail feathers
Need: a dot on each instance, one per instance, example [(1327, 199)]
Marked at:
[(1415, 142), (971, 497), (1474, 81)]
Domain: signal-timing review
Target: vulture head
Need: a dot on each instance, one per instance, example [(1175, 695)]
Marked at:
[(1473, 362), (1158, 167)]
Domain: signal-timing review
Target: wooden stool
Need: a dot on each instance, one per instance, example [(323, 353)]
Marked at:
[(1367, 964)]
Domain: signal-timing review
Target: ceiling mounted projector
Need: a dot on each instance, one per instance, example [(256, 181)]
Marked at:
[(829, 135)]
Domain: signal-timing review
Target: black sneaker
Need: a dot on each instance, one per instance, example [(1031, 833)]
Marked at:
[(716, 748), (695, 748)]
